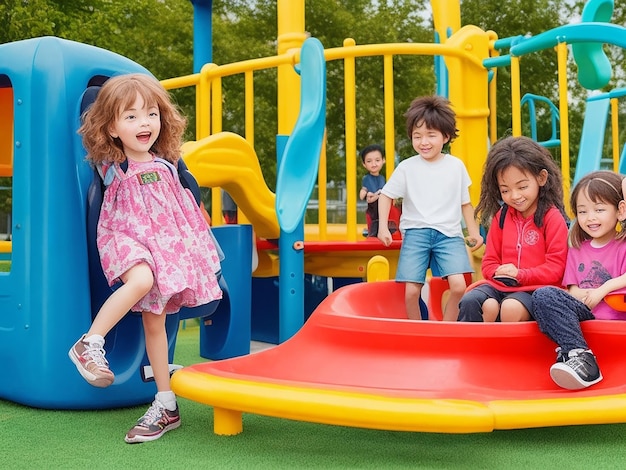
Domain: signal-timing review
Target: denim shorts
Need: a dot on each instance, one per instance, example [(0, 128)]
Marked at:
[(424, 247)]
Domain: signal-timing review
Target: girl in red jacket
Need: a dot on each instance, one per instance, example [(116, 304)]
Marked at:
[(521, 201)]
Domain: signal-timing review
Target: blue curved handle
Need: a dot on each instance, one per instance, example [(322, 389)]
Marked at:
[(601, 33), (298, 167), (594, 67)]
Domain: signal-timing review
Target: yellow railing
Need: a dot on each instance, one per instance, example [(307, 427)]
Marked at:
[(209, 109), (208, 84)]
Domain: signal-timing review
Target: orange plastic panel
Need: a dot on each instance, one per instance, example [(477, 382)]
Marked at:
[(6, 131)]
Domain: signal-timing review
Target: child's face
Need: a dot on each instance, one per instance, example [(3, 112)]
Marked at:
[(428, 142), (520, 189), (597, 219), (138, 127), (373, 162)]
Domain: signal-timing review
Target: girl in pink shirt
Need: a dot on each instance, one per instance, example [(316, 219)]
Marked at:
[(596, 266)]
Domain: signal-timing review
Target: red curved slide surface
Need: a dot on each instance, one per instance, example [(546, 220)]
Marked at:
[(359, 342)]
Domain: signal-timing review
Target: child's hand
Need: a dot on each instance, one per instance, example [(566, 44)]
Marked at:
[(508, 269), (384, 235), (474, 242), (372, 197), (592, 298)]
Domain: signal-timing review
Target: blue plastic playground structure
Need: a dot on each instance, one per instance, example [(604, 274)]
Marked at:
[(49, 297)]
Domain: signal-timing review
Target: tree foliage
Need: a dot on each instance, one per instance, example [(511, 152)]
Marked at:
[(511, 18), (331, 21), (158, 34)]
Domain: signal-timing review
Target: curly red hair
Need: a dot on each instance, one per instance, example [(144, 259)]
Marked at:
[(117, 94)]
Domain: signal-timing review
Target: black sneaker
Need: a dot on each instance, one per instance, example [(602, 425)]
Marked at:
[(153, 424), (578, 371)]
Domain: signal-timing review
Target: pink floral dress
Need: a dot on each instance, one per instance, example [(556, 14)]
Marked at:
[(147, 216)]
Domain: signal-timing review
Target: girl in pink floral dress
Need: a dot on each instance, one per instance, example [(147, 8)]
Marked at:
[(152, 237)]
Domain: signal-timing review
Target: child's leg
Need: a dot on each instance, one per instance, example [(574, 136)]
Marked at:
[(87, 353), (412, 292), (137, 282), (449, 257), (412, 264), (558, 316), (163, 414), (457, 289), (157, 349), (479, 304)]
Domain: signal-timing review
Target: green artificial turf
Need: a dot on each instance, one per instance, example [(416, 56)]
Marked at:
[(44, 439)]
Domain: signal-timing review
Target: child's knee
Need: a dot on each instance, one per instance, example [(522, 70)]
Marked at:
[(412, 290), (513, 310), (490, 310), (457, 285), (140, 278)]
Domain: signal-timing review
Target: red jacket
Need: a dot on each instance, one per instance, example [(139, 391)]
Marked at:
[(539, 253)]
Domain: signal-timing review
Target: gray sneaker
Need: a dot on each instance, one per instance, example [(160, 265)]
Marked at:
[(153, 424), (90, 362), (577, 370)]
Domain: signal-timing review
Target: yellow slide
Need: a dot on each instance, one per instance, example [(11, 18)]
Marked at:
[(228, 161)]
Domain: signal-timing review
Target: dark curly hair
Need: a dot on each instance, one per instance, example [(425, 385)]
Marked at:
[(530, 157)]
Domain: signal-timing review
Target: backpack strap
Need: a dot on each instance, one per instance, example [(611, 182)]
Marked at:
[(505, 208)]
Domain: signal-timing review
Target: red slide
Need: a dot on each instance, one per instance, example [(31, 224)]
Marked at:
[(359, 362)]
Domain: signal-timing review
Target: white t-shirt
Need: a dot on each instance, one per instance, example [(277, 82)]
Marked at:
[(432, 193)]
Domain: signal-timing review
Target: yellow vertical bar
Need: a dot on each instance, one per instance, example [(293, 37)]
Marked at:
[(390, 144), (516, 115), (203, 101), (200, 118), (615, 133), (350, 120), (469, 99), (561, 50), (291, 35), (216, 126), (249, 106), (322, 194), (216, 105), (249, 124)]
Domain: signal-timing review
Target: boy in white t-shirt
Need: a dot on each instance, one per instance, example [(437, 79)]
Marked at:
[(435, 197)]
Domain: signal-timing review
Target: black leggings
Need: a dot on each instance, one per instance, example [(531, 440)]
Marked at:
[(471, 305)]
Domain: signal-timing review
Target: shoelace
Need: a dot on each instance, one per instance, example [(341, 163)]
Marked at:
[(153, 414), (580, 362), (576, 352), (96, 354), (560, 356)]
